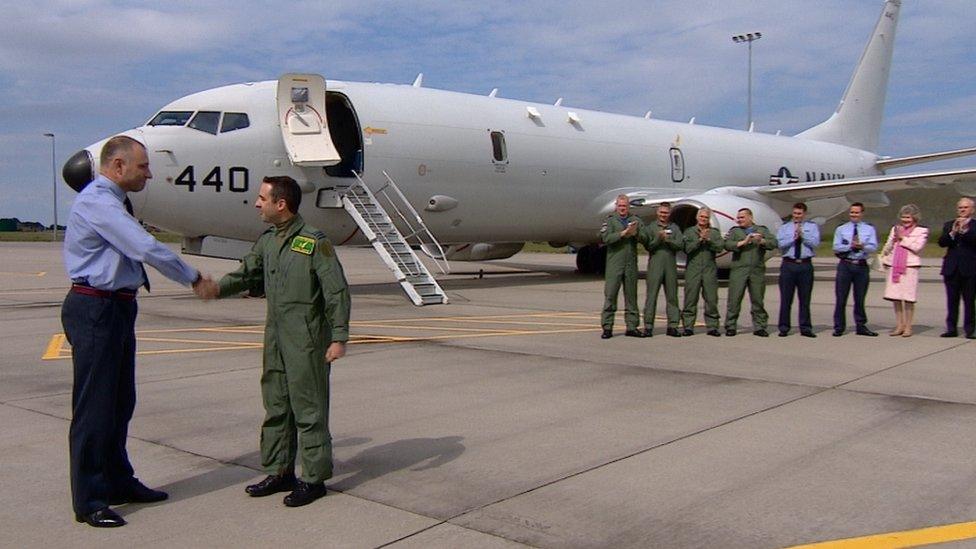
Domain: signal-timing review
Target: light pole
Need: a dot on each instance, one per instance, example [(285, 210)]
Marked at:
[(748, 38), (54, 181)]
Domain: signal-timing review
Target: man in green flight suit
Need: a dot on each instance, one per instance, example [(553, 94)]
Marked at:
[(662, 240), (701, 242), (621, 232), (748, 243), (306, 330)]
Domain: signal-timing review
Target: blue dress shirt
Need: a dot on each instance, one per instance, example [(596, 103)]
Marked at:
[(844, 235), (786, 240), (105, 246)]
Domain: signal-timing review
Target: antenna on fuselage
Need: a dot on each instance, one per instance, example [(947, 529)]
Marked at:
[(493, 93), (647, 115), (692, 121), (419, 81), (558, 102), (752, 126)]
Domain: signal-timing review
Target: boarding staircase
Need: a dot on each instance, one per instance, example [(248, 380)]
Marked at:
[(390, 243)]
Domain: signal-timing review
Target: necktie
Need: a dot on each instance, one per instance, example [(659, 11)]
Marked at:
[(796, 243), (854, 236), (128, 207)]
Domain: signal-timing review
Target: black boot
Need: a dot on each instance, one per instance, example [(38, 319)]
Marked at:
[(272, 484), (304, 493)]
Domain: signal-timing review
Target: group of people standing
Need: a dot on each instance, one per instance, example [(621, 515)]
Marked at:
[(797, 240)]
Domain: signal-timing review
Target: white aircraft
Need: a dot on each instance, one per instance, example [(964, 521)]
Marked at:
[(492, 173)]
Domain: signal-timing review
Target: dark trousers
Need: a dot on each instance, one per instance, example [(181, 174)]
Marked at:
[(850, 274), (960, 287), (798, 278), (101, 332)]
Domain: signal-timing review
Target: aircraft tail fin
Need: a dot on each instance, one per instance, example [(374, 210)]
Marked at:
[(857, 120)]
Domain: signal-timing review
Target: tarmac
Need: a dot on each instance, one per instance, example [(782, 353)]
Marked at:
[(503, 420)]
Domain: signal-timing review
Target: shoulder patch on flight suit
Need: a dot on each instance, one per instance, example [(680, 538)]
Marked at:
[(303, 245)]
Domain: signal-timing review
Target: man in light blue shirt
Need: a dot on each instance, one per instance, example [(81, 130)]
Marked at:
[(854, 242), (104, 251), (797, 241)]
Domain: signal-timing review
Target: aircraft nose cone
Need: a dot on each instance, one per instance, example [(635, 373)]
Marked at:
[(78, 171)]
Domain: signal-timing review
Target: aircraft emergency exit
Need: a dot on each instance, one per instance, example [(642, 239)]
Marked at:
[(488, 174)]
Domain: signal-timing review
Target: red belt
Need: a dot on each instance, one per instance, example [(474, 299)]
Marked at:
[(121, 295)]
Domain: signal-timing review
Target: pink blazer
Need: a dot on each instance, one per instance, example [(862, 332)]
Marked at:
[(914, 243)]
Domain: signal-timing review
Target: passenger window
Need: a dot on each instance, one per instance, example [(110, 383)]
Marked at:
[(171, 118), (499, 152), (206, 121), (234, 121)]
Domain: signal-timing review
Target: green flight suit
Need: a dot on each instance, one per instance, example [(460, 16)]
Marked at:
[(308, 308), (748, 269), (621, 269), (701, 276), (662, 268)]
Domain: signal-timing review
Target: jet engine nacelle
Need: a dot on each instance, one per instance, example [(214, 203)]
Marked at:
[(481, 251), (724, 209)]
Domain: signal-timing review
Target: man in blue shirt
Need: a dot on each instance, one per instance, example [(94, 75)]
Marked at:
[(854, 241), (104, 251), (798, 241)]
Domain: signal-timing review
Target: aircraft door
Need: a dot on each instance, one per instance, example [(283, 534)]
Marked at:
[(302, 118)]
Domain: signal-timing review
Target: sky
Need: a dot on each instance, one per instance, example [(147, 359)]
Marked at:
[(87, 69)]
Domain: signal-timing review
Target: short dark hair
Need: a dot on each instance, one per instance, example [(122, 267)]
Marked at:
[(747, 210), (285, 188), (664, 205), (800, 205), (858, 204), (116, 146)]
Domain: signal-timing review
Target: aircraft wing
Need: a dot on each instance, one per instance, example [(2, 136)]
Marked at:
[(854, 188)]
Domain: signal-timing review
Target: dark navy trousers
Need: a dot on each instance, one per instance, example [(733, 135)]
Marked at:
[(961, 288), (101, 332), (858, 276), (798, 278)]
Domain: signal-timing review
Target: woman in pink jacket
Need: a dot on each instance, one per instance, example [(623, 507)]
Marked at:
[(900, 257)]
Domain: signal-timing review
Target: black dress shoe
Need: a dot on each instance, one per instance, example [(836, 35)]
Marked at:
[(648, 332), (714, 333), (761, 333), (272, 484), (970, 336), (949, 333), (837, 333), (634, 333), (783, 334), (103, 518), (866, 332), (673, 332), (729, 332), (807, 333), (304, 493), (138, 492), (607, 334), (687, 332)]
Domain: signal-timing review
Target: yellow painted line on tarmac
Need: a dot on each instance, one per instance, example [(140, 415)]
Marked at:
[(36, 274), (54, 347), (907, 538), (58, 348)]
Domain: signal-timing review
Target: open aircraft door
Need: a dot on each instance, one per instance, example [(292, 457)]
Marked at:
[(301, 115)]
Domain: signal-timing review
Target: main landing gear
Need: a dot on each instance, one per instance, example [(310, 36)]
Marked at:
[(591, 259)]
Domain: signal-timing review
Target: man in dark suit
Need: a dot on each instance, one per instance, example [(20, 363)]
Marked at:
[(959, 268)]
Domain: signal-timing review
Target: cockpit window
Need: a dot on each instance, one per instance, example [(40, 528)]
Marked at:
[(206, 121), (171, 118), (234, 121)]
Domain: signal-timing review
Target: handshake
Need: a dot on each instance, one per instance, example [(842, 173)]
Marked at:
[(206, 288)]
